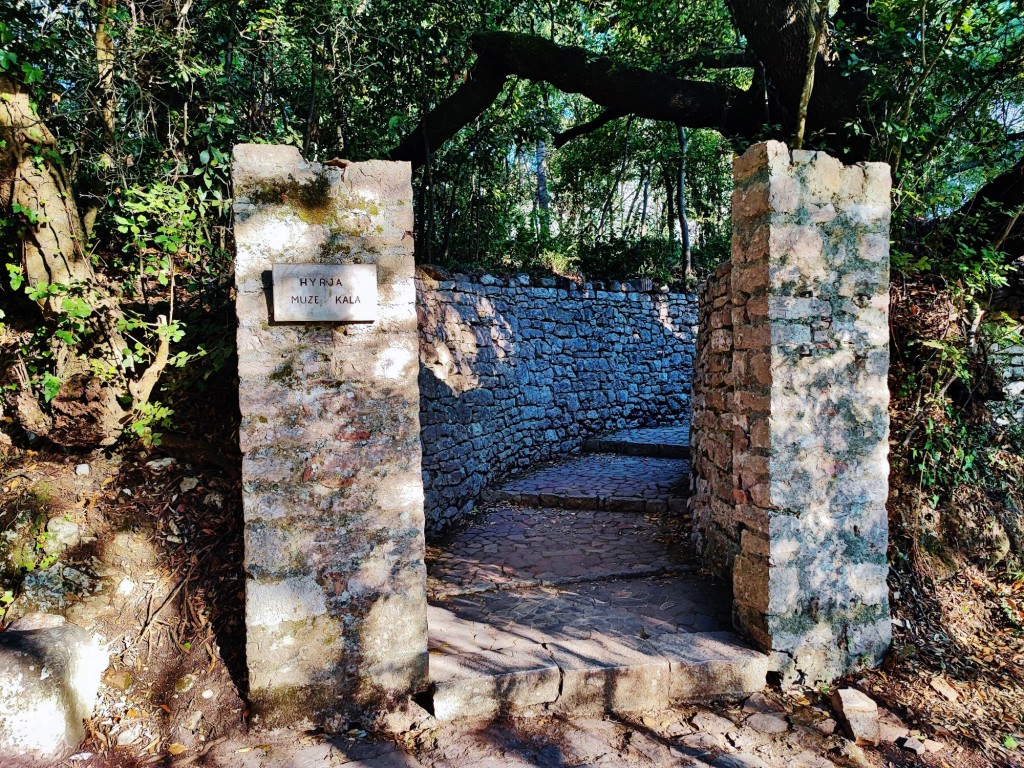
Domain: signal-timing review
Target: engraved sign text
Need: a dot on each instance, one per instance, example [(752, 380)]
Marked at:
[(325, 293)]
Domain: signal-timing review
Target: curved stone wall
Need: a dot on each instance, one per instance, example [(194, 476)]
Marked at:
[(514, 371)]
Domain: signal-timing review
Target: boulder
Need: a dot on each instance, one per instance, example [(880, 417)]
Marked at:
[(49, 679)]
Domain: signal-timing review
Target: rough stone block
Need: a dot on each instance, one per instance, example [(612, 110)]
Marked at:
[(711, 663), (858, 715), (49, 680), (486, 684), (601, 675)]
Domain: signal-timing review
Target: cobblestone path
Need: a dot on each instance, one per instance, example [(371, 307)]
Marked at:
[(577, 589), (513, 546)]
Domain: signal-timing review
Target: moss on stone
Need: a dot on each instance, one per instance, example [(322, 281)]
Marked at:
[(284, 374), (311, 196)]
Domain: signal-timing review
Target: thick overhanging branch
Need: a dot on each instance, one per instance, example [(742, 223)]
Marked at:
[(481, 87), (615, 86), (722, 60), (563, 138)]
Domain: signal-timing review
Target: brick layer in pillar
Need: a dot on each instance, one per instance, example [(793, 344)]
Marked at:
[(333, 496), (711, 502)]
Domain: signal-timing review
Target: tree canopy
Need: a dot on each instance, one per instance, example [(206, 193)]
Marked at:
[(576, 137)]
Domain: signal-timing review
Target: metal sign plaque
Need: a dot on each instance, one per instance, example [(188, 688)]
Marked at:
[(325, 293)]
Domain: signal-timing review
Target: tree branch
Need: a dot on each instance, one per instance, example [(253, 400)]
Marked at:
[(998, 205), (628, 90), (477, 92), (563, 138)]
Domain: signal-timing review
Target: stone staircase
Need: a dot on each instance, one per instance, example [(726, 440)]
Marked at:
[(670, 442), (576, 590)]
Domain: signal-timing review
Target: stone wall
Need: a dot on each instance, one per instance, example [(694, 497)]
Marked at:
[(1008, 362), (332, 489), (514, 372), (791, 411)]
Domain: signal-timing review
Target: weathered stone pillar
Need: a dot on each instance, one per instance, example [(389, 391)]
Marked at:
[(333, 496), (792, 420)]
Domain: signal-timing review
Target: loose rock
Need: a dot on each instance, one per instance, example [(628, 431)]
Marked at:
[(709, 722), (826, 726), (63, 534), (858, 714), (761, 703), (911, 744), (890, 727), (763, 722), (703, 742)]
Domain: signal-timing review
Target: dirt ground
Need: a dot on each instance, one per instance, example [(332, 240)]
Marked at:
[(145, 547)]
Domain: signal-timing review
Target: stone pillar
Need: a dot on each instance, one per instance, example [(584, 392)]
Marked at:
[(804, 533), (333, 495)]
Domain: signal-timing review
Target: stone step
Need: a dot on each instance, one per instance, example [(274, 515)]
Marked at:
[(478, 670), (441, 590), (603, 481), (666, 442)]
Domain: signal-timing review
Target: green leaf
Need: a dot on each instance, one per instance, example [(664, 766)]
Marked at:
[(16, 276), (51, 386), (1010, 743)]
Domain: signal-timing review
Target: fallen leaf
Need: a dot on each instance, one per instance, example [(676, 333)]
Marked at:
[(177, 749)]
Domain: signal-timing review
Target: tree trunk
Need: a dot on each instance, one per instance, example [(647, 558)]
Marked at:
[(85, 410), (684, 225), (543, 198)]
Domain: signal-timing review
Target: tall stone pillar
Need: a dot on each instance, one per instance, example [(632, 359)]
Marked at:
[(333, 495), (797, 433)]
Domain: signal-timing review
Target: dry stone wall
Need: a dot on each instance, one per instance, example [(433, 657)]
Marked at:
[(791, 411), (333, 496), (1008, 361), (515, 371)]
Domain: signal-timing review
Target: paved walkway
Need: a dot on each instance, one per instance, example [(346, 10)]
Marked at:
[(579, 591), (511, 546)]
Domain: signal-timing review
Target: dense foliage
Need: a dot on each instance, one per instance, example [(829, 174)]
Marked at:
[(145, 99)]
